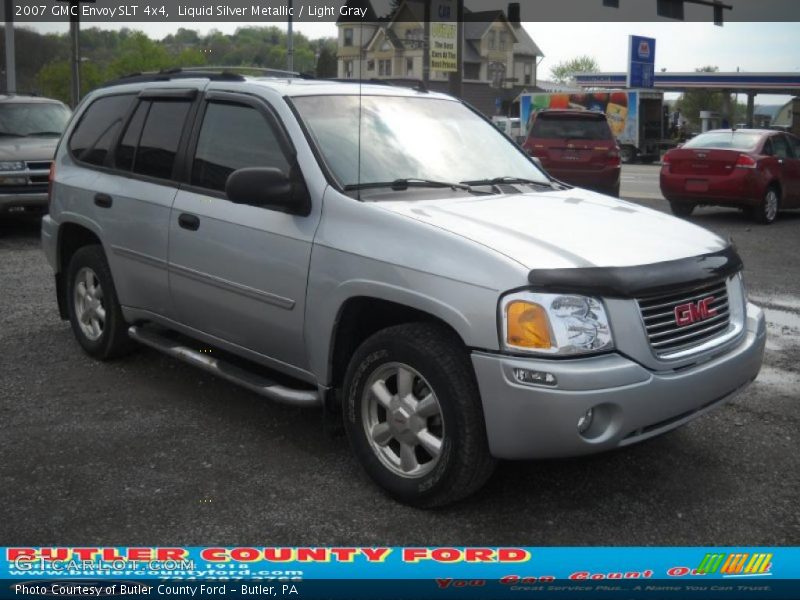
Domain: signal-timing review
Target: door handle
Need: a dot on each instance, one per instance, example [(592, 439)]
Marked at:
[(190, 222), (103, 200)]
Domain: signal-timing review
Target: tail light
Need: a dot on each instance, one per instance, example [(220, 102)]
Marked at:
[(50, 178), (613, 159), (666, 162), (746, 162)]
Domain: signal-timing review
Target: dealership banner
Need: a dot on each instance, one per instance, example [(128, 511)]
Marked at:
[(395, 572)]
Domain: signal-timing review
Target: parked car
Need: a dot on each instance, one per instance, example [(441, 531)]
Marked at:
[(754, 169), (30, 128), (577, 147), (331, 244)]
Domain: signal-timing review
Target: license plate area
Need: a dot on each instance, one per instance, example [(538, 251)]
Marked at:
[(696, 185)]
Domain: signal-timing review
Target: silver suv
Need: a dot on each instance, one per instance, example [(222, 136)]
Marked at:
[(388, 255), (30, 127)]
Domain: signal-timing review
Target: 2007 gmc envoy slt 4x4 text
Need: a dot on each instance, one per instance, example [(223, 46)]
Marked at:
[(387, 254)]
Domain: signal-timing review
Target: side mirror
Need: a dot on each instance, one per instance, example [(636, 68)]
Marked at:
[(537, 161), (266, 187)]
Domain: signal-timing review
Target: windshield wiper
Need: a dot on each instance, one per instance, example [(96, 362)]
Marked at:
[(9, 134), (508, 179), (400, 185), (48, 133)]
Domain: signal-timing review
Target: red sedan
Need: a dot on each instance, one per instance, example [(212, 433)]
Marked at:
[(757, 170)]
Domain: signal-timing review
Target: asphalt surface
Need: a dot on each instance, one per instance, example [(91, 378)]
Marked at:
[(147, 450)]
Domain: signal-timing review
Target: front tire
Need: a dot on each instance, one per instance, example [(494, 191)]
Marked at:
[(413, 415), (767, 211), (683, 210), (94, 312)]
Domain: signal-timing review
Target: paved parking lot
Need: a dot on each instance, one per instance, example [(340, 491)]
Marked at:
[(150, 451)]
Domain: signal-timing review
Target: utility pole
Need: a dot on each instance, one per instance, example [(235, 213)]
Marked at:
[(457, 77), (75, 51), (290, 42), (426, 45), (11, 60)]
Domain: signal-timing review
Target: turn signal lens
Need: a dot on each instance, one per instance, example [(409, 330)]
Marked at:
[(528, 326)]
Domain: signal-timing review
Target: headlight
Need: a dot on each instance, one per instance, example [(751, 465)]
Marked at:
[(12, 165), (555, 324)]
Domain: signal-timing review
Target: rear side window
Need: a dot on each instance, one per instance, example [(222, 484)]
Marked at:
[(781, 147), (795, 143), (161, 134), (232, 137), (99, 126), (570, 128), (126, 151)]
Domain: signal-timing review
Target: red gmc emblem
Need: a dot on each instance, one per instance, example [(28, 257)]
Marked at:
[(686, 314)]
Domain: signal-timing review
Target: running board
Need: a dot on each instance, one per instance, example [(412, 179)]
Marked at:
[(252, 381)]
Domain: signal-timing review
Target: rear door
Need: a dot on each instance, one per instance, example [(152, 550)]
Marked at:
[(786, 149), (239, 272), (130, 206), (142, 197)]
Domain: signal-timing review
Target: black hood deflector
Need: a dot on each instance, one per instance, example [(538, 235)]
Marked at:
[(639, 281)]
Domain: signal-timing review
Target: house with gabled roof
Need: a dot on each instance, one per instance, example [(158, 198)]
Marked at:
[(499, 61)]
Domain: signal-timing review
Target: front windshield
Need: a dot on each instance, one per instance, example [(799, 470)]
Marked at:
[(24, 119), (409, 138)]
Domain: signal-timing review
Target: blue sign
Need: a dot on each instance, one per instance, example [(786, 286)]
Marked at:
[(641, 62)]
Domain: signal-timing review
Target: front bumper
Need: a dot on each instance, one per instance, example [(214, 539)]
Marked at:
[(23, 202), (631, 403)]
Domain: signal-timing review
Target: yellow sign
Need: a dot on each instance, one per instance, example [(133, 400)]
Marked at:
[(444, 39)]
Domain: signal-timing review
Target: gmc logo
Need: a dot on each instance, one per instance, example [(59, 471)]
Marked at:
[(686, 314)]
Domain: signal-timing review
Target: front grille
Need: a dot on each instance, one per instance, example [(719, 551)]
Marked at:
[(41, 165), (666, 336)]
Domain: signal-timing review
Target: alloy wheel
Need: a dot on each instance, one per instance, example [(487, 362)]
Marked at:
[(403, 420), (88, 302)]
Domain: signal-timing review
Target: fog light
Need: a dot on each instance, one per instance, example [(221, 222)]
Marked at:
[(585, 421), (529, 377)]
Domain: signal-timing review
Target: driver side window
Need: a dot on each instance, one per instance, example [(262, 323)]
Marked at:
[(234, 136)]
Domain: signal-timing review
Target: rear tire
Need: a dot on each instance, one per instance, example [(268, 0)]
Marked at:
[(413, 415), (683, 210), (94, 312), (627, 154), (767, 211)]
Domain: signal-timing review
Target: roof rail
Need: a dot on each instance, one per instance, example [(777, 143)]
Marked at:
[(221, 73), (266, 71)]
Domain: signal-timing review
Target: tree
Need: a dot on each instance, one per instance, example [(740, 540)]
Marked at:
[(564, 71), (327, 64), (54, 79)]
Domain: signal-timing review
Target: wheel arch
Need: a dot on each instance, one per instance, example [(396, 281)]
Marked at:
[(362, 315), (72, 236)]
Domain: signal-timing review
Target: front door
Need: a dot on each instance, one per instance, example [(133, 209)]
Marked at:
[(239, 272)]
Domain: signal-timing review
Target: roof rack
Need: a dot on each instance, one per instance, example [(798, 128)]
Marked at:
[(211, 73)]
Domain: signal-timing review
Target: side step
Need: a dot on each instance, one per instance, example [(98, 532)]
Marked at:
[(252, 381)]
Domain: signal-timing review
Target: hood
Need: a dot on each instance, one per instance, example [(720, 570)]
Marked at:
[(564, 229), (31, 148)]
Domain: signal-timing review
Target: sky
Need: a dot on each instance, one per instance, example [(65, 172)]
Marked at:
[(764, 47)]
